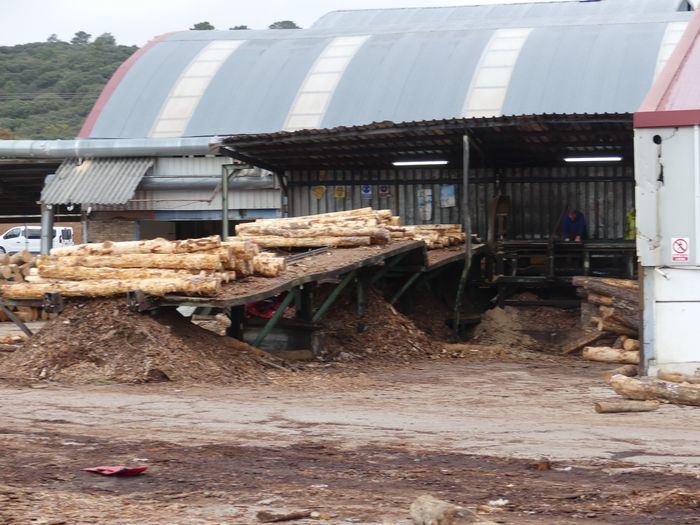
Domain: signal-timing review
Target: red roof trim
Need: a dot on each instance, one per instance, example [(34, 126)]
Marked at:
[(665, 119), (656, 98), (111, 86)]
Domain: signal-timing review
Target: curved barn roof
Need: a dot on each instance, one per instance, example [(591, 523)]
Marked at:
[(357, 67)]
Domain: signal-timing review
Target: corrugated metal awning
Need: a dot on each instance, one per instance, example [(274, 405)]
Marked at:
[(96, 181)]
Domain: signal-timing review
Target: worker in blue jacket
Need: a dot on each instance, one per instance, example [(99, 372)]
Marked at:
[(574, 225)]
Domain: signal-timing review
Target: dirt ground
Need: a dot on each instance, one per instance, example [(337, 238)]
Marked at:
[(354, 447)]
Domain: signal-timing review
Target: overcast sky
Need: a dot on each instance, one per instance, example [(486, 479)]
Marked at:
[(137, 21)]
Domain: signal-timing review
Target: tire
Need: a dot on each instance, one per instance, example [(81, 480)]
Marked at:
[(2, 250)]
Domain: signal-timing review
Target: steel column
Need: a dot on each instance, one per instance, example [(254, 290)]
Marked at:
[(333, 296), (275, 318), (47, 214), (466, 222), (405, 287)]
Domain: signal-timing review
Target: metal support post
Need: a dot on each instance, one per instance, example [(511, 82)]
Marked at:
[(236, 315), (405, 287), (47, 214), (227, 171), (12, 317), (333, 296), (305, 303), (387, 267), (466, 221), (275, 318)]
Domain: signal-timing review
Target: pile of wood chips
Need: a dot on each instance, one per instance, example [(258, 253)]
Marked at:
[(363, 227), (155, 267)]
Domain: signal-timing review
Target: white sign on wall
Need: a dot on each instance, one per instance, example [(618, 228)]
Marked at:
[(680, 249)]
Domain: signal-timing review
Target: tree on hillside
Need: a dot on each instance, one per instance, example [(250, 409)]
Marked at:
[(238, 28), (105, 40), (49, 88), (202, 26), (284, 24), (53, 38), (81, 38)]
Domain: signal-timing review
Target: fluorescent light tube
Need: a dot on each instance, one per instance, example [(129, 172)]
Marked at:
[(592, 159), (421, 163)]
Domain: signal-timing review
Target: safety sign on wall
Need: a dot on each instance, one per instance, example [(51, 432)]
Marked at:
[(366, 191), (680, 249)]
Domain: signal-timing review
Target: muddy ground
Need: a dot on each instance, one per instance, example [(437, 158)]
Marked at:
[(355, 447)]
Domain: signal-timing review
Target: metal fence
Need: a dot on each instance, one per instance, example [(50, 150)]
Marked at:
[(538, 196)]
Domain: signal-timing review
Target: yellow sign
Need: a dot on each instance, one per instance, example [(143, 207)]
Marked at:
[(339, 192), (318, 191)]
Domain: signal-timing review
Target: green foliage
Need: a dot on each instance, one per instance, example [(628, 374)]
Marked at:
[(284, 24), (202, 26), (48, 88), (81, 38)]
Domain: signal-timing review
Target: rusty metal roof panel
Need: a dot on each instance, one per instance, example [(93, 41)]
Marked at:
[(96, 181)]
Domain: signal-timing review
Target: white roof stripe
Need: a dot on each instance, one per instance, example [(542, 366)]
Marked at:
[(490, 81), (317, 90), (185, 95)]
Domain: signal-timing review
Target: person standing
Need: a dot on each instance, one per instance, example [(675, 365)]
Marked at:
[(574, 225)]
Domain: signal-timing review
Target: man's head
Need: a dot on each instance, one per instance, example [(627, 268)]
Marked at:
[(571, 212)]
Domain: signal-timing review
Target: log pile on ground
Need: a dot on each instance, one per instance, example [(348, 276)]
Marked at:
[(680, 389), (363, 227), (16, 267), (616, 304), (101, 340), (156, 267)]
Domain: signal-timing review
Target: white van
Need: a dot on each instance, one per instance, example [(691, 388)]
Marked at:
[(29, 238)]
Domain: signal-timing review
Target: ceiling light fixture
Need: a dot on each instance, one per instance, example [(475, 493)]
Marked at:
[(404, 163), (592, 159)]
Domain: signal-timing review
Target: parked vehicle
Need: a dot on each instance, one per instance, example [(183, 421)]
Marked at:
[(29, 238)]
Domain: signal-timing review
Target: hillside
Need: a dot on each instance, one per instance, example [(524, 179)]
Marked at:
[(48, 88)]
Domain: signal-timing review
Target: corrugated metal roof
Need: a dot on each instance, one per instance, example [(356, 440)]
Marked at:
[(96, 181), (540, 140), (674, 100), (410, 64)]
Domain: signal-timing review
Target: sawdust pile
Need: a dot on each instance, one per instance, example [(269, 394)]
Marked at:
[(429, 314), (382, 334), (100, 340), (527, 328)]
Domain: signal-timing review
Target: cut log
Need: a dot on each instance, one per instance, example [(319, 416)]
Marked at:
[(378, 235), (605, 354), (632, 345), (21, 258), (189, 261), (620, 341), (625, 370), (586, 339), (206, 286), (13, 339), (625, 405), (310, 242), (676, 377), (268, 265), (83, 273), (618, 288), (161, 246), (241, 248), (8, 349), (650, 389), (620, 316), (4, 259), (608, 325)]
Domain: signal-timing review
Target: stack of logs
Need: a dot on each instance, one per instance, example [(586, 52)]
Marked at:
[(363, 227), (15, 267), (156, 267), (613, 307)]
